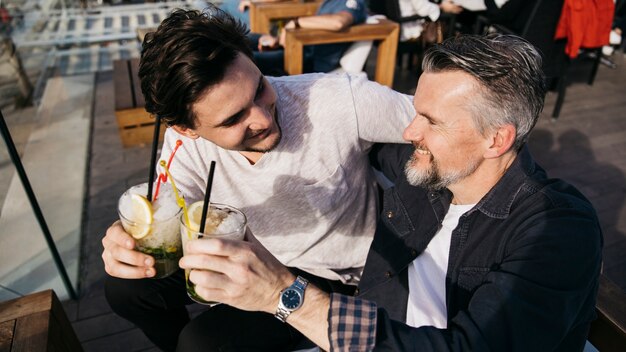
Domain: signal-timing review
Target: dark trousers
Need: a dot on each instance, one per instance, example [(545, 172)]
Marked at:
[(157, 307)]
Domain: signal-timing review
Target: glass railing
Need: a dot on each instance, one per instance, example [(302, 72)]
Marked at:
[(40, 220)]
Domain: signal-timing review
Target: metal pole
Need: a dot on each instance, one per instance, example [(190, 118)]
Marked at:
[(35, 205)]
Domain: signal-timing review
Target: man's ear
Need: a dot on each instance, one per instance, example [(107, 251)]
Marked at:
[(187, 132), (501, 141)]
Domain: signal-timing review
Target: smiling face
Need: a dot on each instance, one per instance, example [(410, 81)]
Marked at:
[(238, 113), (448, 147)]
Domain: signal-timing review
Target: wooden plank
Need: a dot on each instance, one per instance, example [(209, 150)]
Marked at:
[(19, 307), (121, 85), (31, 333), (61, 333), (294, 56), (38, 323), (262, 14), (386, 58), (6, 335), (608, 331), (139, 136), (136, 83), (133, 117), (373, 31)]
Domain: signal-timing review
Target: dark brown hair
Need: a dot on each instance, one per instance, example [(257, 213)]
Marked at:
[(187, 54)]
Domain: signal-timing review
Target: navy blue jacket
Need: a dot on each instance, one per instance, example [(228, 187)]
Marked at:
[(523, 268)]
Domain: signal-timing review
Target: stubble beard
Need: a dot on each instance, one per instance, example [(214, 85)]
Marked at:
[(272, 146), (432, 178)]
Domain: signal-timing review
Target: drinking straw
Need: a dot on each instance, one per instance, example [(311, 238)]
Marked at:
[(161, 179), (207, 196), (179, 200), (163, 176), (155, 142)]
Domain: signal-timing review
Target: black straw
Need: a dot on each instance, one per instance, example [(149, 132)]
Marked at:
[(155, 144), (207, 196)]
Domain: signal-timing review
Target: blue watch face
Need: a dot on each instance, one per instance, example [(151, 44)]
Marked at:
[(291, 299)]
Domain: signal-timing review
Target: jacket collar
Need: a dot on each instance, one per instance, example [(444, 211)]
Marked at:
[(498, 201)]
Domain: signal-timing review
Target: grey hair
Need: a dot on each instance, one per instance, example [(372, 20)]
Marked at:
[(508, 69)]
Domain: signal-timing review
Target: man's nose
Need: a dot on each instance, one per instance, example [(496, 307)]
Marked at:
[(413, 132), (260, 118)]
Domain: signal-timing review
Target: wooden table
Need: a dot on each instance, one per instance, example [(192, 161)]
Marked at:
[(262, 14), (36, 322), (385, 31)]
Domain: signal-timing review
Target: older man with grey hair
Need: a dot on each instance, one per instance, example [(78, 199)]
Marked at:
[(477, 249)]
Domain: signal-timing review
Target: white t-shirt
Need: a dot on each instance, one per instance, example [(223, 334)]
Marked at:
[(312, 201), (427, 276)]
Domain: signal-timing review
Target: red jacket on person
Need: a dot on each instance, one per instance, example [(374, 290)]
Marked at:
[(586, 24)]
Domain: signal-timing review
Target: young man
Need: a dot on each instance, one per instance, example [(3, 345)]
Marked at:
[(476, 249), (291, 153)]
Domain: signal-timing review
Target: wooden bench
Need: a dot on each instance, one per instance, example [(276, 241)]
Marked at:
[(608, 331), (136, 125), (36, 322)]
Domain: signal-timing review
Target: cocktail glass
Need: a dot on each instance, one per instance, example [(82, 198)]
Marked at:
[(223, 221), (159, 237)]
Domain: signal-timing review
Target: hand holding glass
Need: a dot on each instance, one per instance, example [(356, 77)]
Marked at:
[(153, 226), (222, 221)]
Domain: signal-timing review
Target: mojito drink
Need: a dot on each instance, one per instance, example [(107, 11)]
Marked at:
[(222, 221), (154, 226)]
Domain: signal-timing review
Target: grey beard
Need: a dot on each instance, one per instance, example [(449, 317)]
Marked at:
[(431, 178)]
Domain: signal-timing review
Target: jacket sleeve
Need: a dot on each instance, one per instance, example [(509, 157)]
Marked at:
[(390, 158), (541, 294)]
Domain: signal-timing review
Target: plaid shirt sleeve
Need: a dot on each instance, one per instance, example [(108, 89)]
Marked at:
[(351, 324)]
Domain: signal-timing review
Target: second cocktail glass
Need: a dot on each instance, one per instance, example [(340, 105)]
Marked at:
[(222, 221)]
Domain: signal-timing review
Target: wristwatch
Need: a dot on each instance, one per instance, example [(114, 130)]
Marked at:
[(291, 299)]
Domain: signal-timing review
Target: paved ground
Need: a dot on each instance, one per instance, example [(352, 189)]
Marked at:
[(586, 146)]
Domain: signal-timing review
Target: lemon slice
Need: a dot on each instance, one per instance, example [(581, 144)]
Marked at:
[(195, 214), (141, 217), (213, 220)]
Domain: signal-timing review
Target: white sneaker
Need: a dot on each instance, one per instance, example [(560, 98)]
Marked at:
[(614, 38)]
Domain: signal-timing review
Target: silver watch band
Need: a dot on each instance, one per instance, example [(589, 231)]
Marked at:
[(300, 283), (283, 312)]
